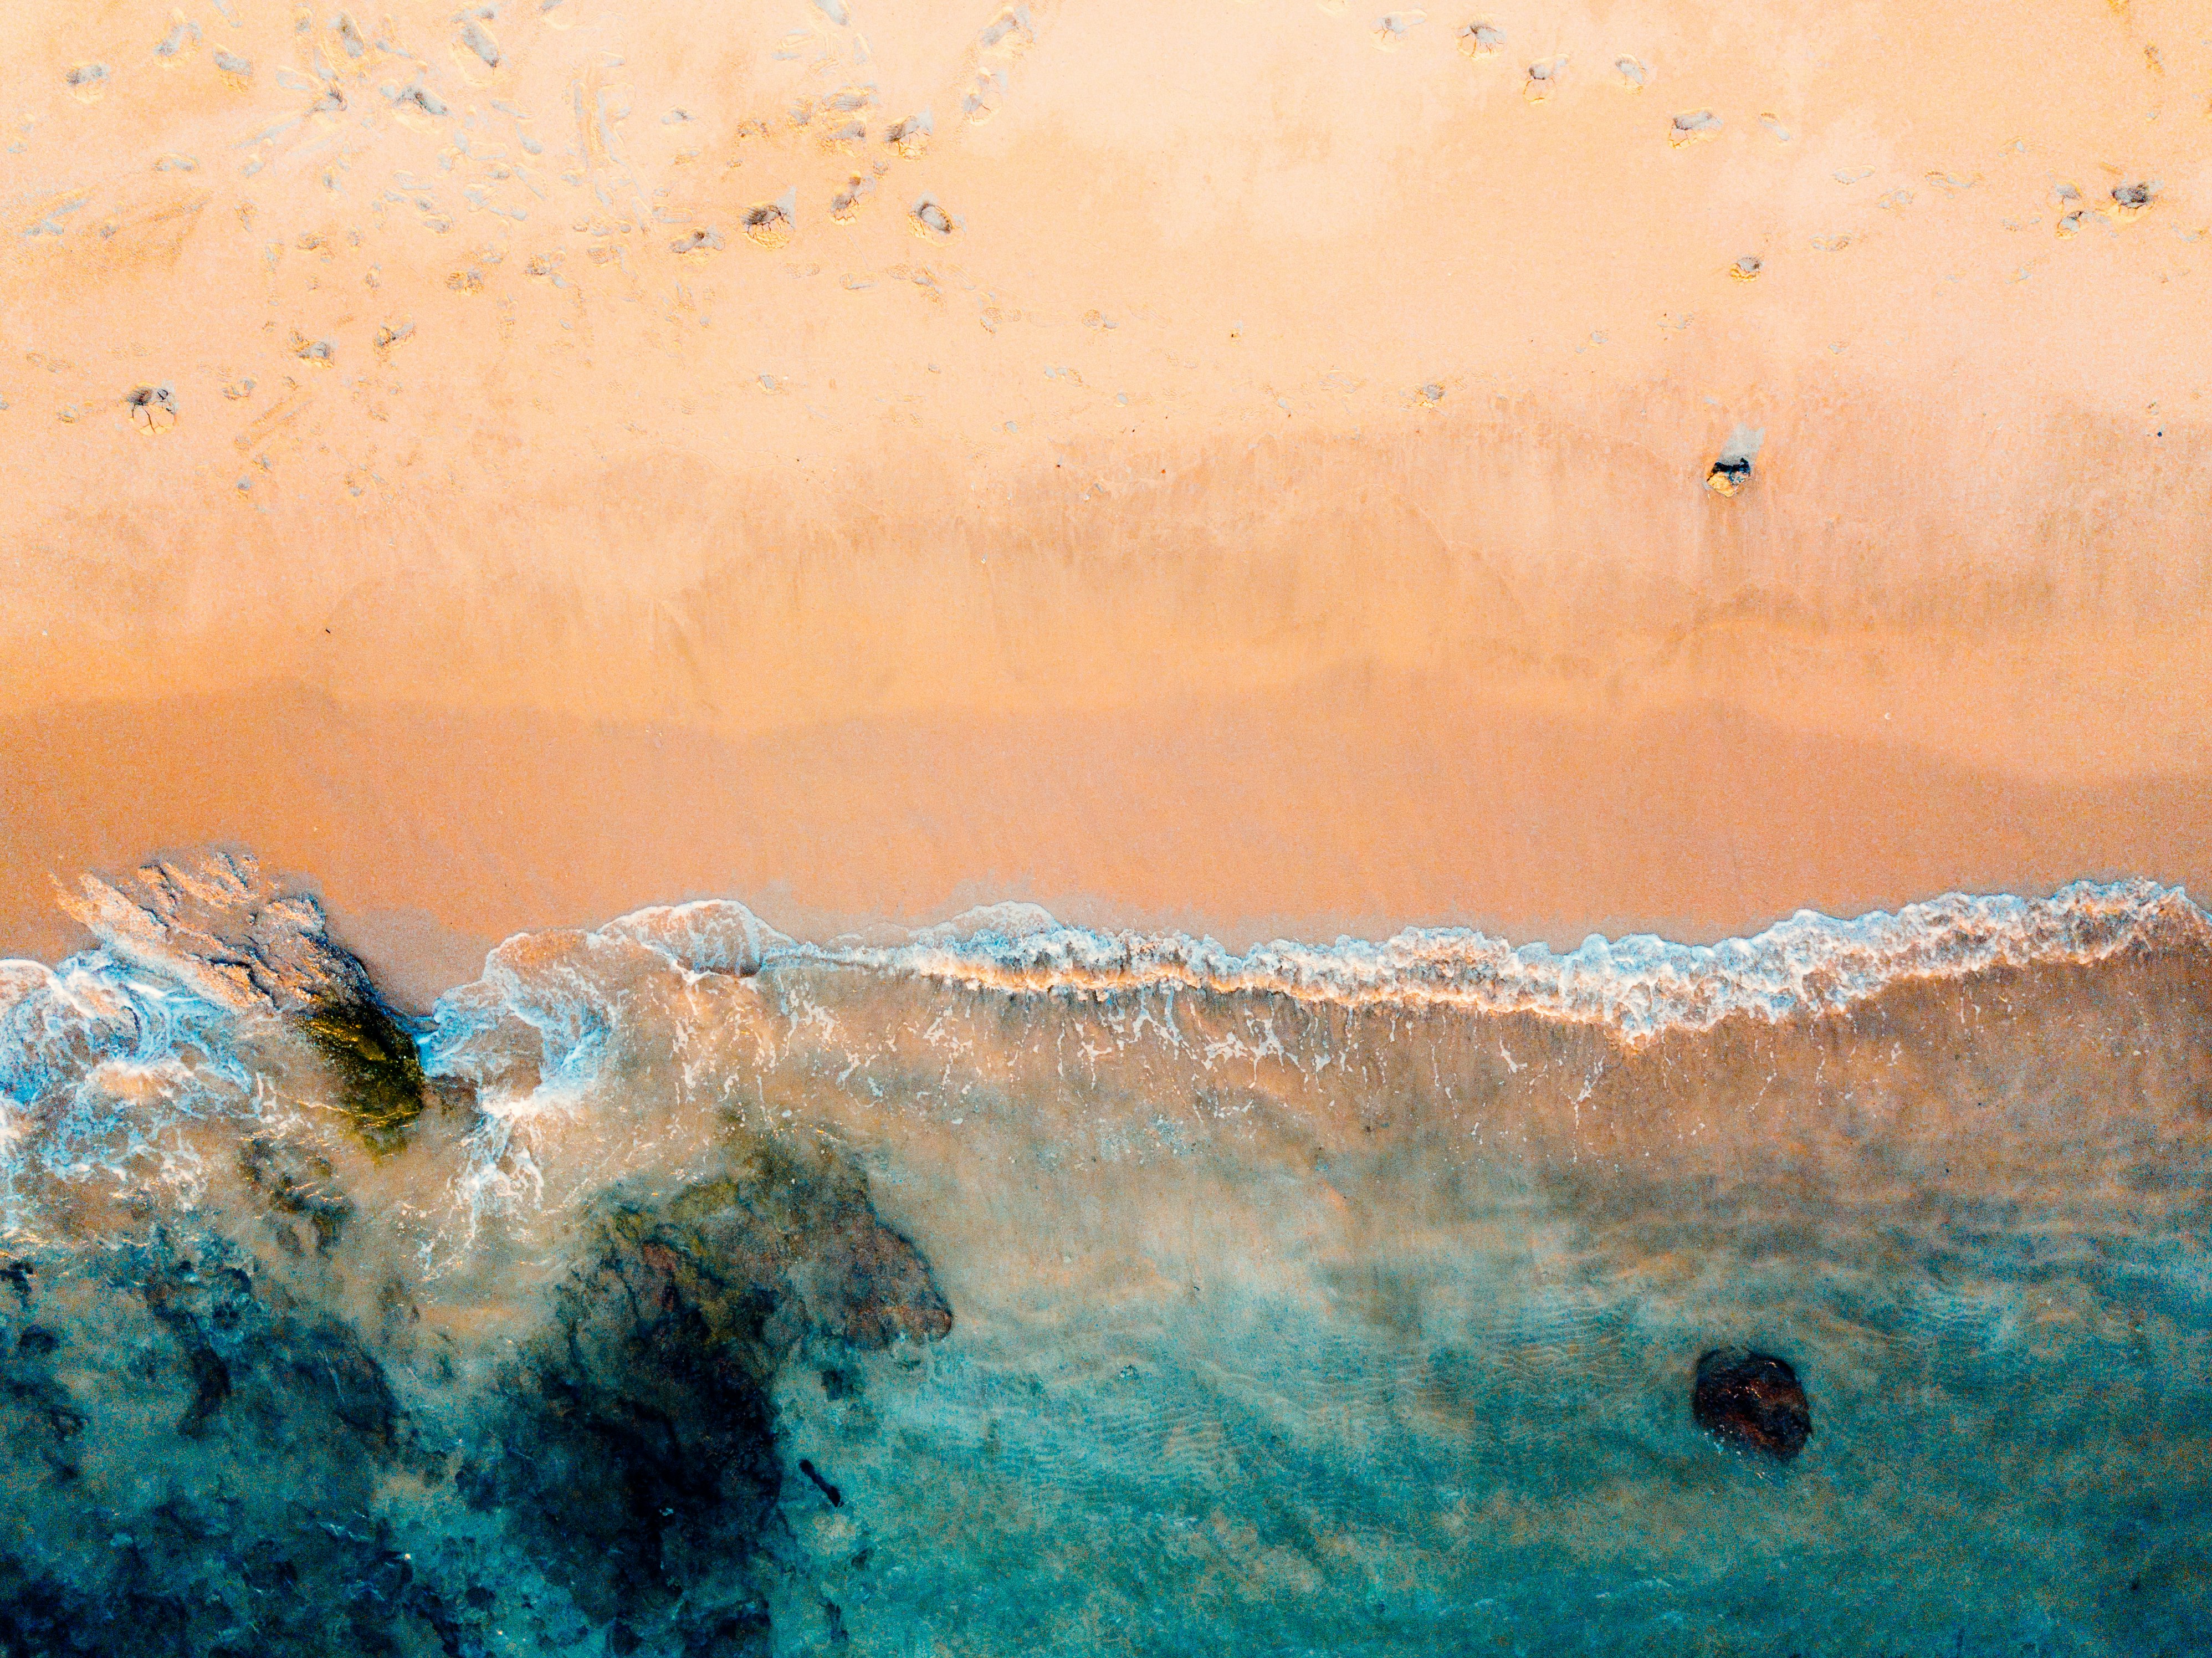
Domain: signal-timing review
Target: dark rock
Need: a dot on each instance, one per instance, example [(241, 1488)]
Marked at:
[(836, 1497), (381, 1085), (1728, 475), (1752, 1401), (293, 1182), (222, 929), (639, 1441), (210, 1456)]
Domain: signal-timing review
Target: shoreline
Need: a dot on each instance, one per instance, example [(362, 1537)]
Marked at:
[(1544, 833)]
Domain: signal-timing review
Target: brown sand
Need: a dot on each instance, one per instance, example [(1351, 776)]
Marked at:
[(501, 571)]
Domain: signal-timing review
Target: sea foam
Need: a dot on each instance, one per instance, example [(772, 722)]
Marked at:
[(197, 965), (1642, 985)]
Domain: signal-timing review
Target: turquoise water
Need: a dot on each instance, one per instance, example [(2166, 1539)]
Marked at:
[(1117, 1295)]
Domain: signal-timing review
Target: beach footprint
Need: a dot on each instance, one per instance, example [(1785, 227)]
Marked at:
[(772, 224), (183, 32), (1731, 469), (1481, 40), (2131, 201), (910, 136), (985, 97), (930, 222), (1392, 28), (153, 408), (1693, 126)]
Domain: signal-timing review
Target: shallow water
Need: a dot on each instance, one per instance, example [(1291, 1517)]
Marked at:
[(1009, 1288)]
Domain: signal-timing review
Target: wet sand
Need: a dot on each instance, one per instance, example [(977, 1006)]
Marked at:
[(1345, 807), (1270, 497)]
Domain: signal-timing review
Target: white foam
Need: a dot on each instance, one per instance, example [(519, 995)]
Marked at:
[(1642, 985), (90, 1050), (713, 936)]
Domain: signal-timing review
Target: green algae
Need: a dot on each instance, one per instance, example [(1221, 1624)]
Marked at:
[(381, 1085)]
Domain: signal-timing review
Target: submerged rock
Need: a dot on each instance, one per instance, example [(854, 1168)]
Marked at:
[(214, 1454), (1752, 1401), (636, 1456)]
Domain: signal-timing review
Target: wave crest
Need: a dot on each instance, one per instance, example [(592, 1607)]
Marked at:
[(1642, 985)]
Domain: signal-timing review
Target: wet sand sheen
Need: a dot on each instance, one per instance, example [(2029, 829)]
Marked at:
[(1347, 809)]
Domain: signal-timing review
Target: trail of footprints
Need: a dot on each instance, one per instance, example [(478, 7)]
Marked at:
[(345, 68)]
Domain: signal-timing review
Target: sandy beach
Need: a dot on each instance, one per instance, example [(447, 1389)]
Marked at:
[(1242, 467)]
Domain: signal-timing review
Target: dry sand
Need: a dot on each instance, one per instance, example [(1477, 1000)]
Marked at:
[(1261, 489)]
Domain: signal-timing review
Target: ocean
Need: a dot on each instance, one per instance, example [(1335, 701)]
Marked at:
[(677, 1286)]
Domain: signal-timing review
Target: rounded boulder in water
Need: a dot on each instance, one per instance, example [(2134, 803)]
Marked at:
[(1752, 1402)]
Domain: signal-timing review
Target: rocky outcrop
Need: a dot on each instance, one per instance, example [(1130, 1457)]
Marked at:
[(211, 1459)]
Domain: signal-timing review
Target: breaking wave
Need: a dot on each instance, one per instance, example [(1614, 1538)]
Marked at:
[(1641, 985)]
